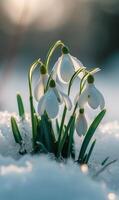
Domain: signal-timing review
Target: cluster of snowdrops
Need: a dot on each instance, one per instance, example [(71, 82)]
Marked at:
[(51, 132)]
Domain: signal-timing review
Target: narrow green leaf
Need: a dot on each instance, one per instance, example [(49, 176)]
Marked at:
[(104, 167), (90, 151), (90, 134), (105, 160), (20, 106), (65, 109), (65, 148), (84, 159), (42, 147), (63, 139), (71, 134), (15, 130), (36, 122), (47, 133), (57, 126), (62, 125)]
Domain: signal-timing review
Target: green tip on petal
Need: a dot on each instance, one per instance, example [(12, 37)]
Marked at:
[(65, 50), (90, 79), (81, 110), (52, 83), (43, 69)]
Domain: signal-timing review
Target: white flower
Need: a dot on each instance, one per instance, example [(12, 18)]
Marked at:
[(51, 101), (66, 66), (81, 123), (41, 84), (91, 95)]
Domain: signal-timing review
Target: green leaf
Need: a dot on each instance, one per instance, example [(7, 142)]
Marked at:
[(90, 151), (40, 148), (63, 139), (15, 130), (105, 160), (84, 159), (43, 148), (90, 134), (47, 134), (20, 106), (36, 122), (57, 126), (71, 134), (65, 148), (104, 167), (65, 108)]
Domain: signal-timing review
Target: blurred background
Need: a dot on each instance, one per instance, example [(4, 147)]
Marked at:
[(90, 28)]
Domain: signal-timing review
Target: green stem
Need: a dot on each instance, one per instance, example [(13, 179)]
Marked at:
[(62, 124), (65, 109), (51, 51), (49, 55), (30, 73)]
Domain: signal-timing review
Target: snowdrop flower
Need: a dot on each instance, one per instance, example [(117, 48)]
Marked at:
[(66, 66), (41, 84), (91, 95), (51, 101), (81, 123)]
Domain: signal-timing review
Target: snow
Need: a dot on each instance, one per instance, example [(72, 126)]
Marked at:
[(40, 178), (8, 146), (37, 177)]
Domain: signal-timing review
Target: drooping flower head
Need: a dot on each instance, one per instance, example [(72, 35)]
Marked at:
[(66, 65), (81, 123), (41, 84), (51, 101), (91, 95)]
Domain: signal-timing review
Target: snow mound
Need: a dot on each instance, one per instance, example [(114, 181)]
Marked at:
[(8, 146), (35, 178), (40, 178)]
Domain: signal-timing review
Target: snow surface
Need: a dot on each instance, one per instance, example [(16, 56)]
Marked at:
[(38, 177)]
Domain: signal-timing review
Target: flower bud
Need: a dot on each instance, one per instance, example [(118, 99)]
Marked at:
[(52, 84), (43, 69), (65, 50), (90, 79), (81, 110)]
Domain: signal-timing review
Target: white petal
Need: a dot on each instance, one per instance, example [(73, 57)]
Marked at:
[(76, 99), (41, 105), (102, 101), (39, 90), (55, 68), (60, 82), (81, 125), (83, 97), (95, 71), (51, 106), (67, 100), (44, 79), (77, 63), (55, 72), (94, 97), (58, 95), (66, 68), (59, 86)]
